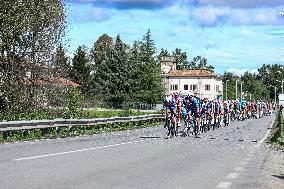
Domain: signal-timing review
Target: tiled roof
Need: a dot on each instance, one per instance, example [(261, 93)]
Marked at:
[(64, 82), (192, 73), (54, 81)]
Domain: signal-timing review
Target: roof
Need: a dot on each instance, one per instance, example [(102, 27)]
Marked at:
[(54, 81), (192, 73), (64, 82)]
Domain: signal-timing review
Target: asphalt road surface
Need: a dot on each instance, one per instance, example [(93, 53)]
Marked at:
[(229, 157)]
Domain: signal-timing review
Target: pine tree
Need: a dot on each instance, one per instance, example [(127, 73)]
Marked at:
[(100, 46), (81, 69), (60, 63), (151, 87), (181, 59), (112, 79)]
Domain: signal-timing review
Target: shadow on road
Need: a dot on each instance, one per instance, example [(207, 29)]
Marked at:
[(279, 176)]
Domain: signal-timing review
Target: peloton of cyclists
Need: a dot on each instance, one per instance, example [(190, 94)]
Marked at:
[(207, 112)]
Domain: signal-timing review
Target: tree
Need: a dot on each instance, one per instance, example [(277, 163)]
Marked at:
[(199, 62), (251, 85), (60, 62), (271, 76), (149, 45), (81, 69), (150, 85), (181, 59), (129, 75), (112, 75), (231, 81), (101, 45), (30, 29)]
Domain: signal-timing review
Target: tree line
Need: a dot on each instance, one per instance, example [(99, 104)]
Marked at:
[(260, 85), (116, 73)]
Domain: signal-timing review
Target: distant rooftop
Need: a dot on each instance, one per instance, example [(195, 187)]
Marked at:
[(192, 73)]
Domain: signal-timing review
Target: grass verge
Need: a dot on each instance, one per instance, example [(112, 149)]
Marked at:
[(59, 113), (278, 137), (71, 131)]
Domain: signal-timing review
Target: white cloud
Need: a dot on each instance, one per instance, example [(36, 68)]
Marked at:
[(242, 3), (209, 15)]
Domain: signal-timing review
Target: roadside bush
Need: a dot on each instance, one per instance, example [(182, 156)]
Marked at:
[(279, 134)]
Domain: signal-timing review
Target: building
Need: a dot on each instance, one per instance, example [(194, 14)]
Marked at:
[(202, 83), (38, 83)]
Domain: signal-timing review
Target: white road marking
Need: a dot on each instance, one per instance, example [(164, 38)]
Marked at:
[(238, 169), (232, 175), (74, 151), (266, 135), (247, 159), (224, 185)]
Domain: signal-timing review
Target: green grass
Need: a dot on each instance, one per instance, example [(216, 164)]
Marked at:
[(84, 114), (63, 132), (278, 137)]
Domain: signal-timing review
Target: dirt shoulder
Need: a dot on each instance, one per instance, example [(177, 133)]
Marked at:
[(272, 175)]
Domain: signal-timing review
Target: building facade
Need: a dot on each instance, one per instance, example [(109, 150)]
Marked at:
[(202, 83)]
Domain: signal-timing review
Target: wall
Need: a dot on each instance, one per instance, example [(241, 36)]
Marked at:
[(200, 82)]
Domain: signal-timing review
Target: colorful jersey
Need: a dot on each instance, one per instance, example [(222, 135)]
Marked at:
[(194, 104)]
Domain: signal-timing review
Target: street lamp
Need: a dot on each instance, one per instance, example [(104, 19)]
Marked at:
[(237, 89), (227, 90), (275, 93), (242, 90)]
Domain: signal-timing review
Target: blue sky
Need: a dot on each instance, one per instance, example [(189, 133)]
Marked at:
[(235, 35)]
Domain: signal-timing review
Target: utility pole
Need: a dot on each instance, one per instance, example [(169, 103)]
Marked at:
[(241, 90), (275, 93), (236, 89), (227, 90)]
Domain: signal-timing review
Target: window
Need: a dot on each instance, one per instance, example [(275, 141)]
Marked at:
[(185, 87), (207, 87), (174, 87), (217, 88), (193, 87)]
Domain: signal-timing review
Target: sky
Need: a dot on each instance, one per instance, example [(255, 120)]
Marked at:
[(234, 35)]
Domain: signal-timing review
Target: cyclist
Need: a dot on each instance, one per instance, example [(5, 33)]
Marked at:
[(226, 113), (202, 106), (170, 107), (178, 106), (195, 108), (216, 111), (243, 109)]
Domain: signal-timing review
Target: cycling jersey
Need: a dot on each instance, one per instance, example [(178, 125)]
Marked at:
[(194, 107), (170, 103)]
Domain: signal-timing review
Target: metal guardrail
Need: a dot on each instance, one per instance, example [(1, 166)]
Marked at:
[(44, 124)]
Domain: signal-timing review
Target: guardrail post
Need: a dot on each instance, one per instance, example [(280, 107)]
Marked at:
[(70, 131), (25, 133), (5, 135), (57, 130), (43, 132)]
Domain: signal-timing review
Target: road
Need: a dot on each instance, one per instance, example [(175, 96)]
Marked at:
[(229, 157)]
